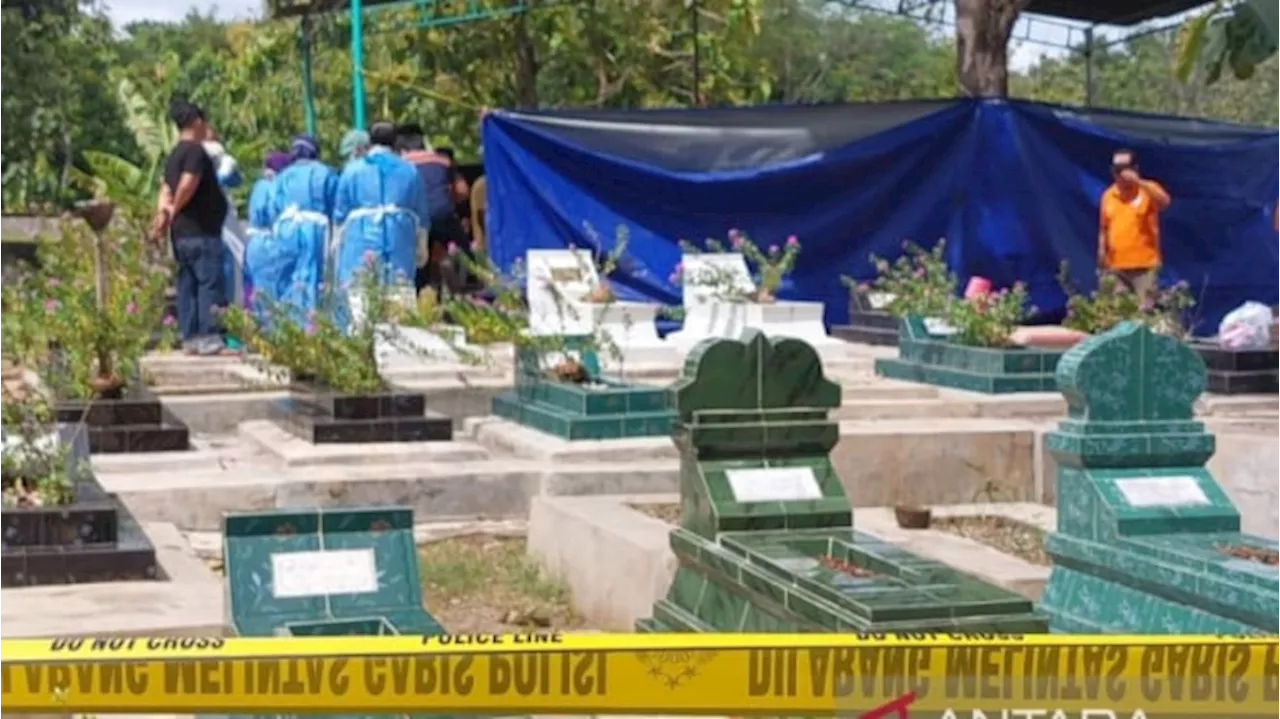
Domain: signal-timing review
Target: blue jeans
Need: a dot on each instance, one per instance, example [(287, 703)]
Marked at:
[(200, 287)]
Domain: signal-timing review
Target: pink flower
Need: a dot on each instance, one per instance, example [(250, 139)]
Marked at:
[(735, 235), (131, 309), (369, 258), (773, 249), (738, 242), (919, 273), (310, 328), (452, 248), (792, 241), (51, 306), (169, 321), (864, 287), (53, 282)]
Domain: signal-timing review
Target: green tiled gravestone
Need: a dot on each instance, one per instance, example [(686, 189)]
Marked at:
[(600, 409), (767, 543), (924, 357), (1147, 542), (344, 572)]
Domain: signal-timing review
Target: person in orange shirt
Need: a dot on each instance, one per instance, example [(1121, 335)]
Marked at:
[(1129, 225)]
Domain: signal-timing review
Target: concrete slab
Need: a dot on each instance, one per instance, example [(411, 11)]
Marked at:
[(292, 451), (933, 461), (189, 602), (986, 563), (615, 560), (1248, 468), (501, 436), (208, 545), (440, 486)]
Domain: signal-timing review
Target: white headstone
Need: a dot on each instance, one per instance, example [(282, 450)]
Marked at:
[(707, 277), (879, 300), (1162, 492), (558, 280), (313, 574), (774, 484)]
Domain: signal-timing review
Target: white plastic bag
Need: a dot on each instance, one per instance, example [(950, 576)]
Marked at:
[(1247, 327)]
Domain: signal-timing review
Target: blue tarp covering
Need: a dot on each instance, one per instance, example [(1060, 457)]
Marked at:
[(1013, 186)]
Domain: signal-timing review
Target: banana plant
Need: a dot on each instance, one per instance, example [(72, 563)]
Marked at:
[(115, 178), (1240, 35)]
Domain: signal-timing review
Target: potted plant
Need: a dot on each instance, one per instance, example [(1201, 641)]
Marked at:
[(607, 263), (911, 516), (85, 324), (989, 320), (917, 283), (771, 266)]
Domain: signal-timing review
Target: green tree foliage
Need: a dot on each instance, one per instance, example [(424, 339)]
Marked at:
[(80, 95), (1241, 36)]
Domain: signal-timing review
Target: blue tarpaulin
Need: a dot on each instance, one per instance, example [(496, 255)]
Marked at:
[(1012, 186)]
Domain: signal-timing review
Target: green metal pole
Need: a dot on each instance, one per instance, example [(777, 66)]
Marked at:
[(308, 88), (357, 63)]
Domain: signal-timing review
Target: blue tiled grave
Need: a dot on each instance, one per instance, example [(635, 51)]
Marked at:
[(927, 358), (767, 541), (338, 572), (601, 408), (1147, 541)]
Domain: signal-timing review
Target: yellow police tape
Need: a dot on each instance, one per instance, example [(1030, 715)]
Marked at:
[(772, 674)]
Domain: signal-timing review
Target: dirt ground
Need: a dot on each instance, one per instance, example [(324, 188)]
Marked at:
[(1007, 535), (669, 513), (482, 584)]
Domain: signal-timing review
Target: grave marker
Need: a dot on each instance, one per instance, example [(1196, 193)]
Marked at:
[(559, 282), (767, 541), (925, 355), (1147, 541), (719, 302), (601, 408), (326, 572)]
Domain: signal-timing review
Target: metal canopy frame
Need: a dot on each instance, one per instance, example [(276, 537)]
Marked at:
[(446, 13)]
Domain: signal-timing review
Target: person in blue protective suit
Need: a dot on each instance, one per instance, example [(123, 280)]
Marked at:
[(232, 281), (262, 259), (303, 202), (381, 213), (355, 144)]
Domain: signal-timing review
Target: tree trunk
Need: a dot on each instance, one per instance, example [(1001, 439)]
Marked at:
[(982, 45), (526, 80)]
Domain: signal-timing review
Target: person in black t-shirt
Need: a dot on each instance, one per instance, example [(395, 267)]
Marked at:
[(192, 207)]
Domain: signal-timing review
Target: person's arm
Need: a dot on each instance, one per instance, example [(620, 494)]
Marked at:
[(1158, 194)]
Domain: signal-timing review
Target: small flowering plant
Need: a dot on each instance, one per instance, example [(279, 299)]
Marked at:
[(54, 307), (771, 267), (918, 282), (328, 345), (1113, 302), (498, 314), (606, 262), (988, 320)]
